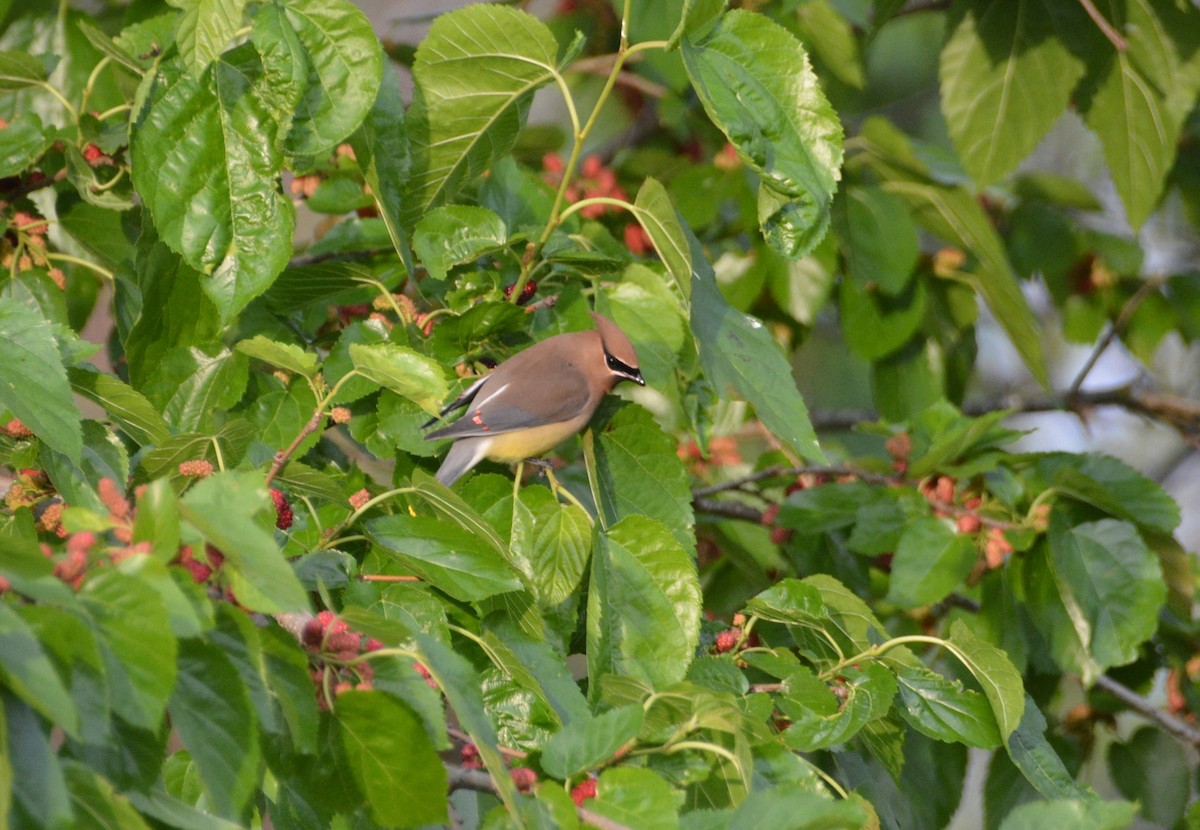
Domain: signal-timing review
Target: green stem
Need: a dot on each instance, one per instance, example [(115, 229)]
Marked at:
[(216, 442), (82, 263), (875, 652), (559, 490), (91, 81), (594, 200), (589, 463), (108, 113)]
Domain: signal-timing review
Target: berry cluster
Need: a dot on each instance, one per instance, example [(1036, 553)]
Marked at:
[(85, 549), (722, 453), (283, 509), (523, 777), (596, 180), (947, 502), (527, 292), (23, 247), (197, 468), (335, 650)]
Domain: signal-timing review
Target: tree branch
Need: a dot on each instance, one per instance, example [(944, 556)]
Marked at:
[(1165, 720), (1117, 328), (281, 457)]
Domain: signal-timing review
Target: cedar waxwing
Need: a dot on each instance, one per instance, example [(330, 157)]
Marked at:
[(537, 398)]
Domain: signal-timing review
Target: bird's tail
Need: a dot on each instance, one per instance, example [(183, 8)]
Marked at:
[(464, 454)]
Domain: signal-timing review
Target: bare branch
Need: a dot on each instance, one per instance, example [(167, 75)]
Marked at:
[(281, 457), (1117, 328), (1165, 720)]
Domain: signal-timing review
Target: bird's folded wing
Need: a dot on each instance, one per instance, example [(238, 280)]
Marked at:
[(505, 409)]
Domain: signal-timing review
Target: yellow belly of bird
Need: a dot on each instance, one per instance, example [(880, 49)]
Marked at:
[(529, 443)]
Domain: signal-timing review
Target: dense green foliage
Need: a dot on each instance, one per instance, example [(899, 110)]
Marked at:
[(233, 594)]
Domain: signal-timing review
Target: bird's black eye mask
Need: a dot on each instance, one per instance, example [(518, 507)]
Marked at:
[(617, 366)]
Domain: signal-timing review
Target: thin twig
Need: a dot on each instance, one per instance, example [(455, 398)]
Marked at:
[(728, 510), (1114, 37), (1168, 722), (462, 736), (1115, 330), (29, 186), (281, 457)]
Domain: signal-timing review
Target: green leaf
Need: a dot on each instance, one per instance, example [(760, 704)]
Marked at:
[(206, 163), (22, 143), (205, 28), (824, 29), (1113, 486), (29, 673), (544, 666), (1151, 768), (1140, 97), (287, 356), (1006, 76), (461, 685), (140, 648), (876, 325), (823, 716), (944, 710), (931, 560), (136, 416), (95, 797), (953, 214), (286, 674), (228, 444), (658, 218), (103, 456), (339, 59), (446, 556), (402, 370), (738, 351), (755, 82), (789, 808), (175, 315), (224, 507), (1032, 754), (789, 601), (211, 710), (695, 19), (559, 544), (33, 382), (393, 761), (454, 234), (39, 793), (19, 70), (1109, 587), (475, 74), (1071, 815), (635, 798), (587, 743), (639, 473), (280, 414), (20, 554), (995, 673), (879, 239), (643, 615), (108, 46), (381, 150)]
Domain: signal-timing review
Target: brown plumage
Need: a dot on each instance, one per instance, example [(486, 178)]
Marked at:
[(537, 398)]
